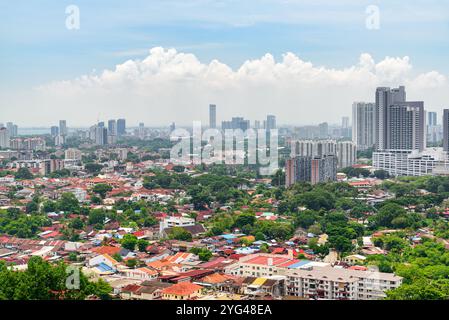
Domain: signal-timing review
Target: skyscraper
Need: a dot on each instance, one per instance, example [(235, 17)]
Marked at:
[(12, 129), (54, 131), (385, 97), (363, 125), (112, 127), (406, 127), (401, 136), (446, 130), (4, 138), (213, 116), (346, 153), (101, 135), (63, 127), (271, 122), (121, 127)]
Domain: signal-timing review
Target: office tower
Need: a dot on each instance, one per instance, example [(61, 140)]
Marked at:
[(4, 138), (54, 131), (270, 123), (324, 130), (112, 127), (406, 127), (101, 124), (121, 127), (385, 97), (141, 130), (63, 128), (257, 124), (310, 169), (213, 116), (446, 130), (101, 135), (2, 125), (363, 125), (346, 153), (172, 127)]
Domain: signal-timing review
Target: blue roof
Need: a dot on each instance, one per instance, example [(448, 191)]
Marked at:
[(299, 264), (228, 236), (104, 267)]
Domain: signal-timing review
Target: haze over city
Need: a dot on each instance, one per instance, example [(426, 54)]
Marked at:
[(166, 61)]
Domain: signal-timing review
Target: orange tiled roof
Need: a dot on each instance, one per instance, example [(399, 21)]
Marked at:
[(182, 289), (107, 250), (215, 278)]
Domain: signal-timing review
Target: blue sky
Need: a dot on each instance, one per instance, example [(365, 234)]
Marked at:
[(37, 48)]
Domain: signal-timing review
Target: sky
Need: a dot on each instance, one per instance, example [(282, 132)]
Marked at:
[(158, 61)]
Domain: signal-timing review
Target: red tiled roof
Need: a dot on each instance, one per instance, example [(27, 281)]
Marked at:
[(182, 289), (106, 250)]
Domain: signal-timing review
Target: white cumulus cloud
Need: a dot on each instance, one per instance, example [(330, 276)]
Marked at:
[(173, 86)]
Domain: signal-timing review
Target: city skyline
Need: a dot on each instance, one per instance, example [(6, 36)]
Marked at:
[(167, 60)]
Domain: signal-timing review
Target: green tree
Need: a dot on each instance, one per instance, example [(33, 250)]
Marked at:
[(129, 242), (68, 203), (102, 189), (142, 244), (24, 174), (179, 233)]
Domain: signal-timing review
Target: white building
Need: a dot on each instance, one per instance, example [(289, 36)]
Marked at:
[(431, 161), (171, 222), (363, 124), (73, 154), (340, 284), (346, 154), (4, 138)]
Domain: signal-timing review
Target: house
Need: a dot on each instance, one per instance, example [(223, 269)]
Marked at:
[(354, 259), (182, 291), (103, 264), (147, 290), (143, 274)]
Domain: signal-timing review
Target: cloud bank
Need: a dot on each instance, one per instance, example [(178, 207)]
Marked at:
[(171, 86)]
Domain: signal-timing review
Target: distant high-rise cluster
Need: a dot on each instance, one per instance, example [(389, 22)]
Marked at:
[(7, 133), (102, 135), (401, 136)]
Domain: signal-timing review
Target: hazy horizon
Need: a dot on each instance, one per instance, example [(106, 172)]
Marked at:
[(159, 62)]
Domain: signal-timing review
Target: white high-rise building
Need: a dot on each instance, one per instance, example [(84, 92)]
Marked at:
[(4, 138), (346, 154), (363, 125), (63, 127)]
